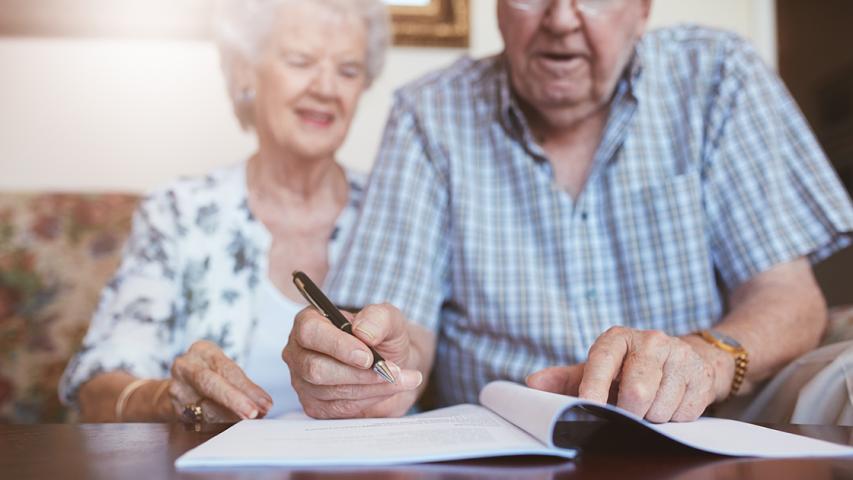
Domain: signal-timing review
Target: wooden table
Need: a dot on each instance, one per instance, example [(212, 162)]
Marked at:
[(148, 451)]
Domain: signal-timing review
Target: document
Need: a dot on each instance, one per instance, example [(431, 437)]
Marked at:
[(511, 420)]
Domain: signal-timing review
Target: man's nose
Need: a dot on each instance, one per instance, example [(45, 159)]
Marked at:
[(562, 16)]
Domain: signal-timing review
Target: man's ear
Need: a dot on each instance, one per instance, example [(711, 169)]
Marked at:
[(645, 13), (646, 6)]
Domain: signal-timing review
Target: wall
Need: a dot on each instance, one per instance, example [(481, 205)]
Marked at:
[(112, 114), (820, 76)]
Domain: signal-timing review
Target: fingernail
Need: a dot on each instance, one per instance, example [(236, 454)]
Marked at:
[(253, 414), (366, 331), (361, 358), (412, 380), (395, 369)]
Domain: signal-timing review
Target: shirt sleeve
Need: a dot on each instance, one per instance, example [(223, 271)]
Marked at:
[(398, 252), (134, 327), (771, 195)]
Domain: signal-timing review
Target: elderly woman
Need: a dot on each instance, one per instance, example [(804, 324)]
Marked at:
[(193, 324)]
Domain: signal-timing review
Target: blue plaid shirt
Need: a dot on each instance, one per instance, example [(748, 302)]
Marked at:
[(707, 174)]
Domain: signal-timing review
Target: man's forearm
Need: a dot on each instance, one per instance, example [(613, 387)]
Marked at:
[(777, 316)]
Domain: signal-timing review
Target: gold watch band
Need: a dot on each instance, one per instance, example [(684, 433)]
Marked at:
[(731, 346)]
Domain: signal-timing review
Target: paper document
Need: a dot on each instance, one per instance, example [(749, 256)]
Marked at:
[(462, 431), (513, 420)]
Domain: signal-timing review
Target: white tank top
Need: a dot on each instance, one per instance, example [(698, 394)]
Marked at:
[(264, 364)]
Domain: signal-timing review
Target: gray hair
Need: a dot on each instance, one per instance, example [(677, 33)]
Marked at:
[(242, 27)]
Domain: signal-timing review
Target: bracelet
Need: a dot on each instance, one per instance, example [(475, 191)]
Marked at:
[(125, 394), (741, 363), (160, 390), (734, 348)]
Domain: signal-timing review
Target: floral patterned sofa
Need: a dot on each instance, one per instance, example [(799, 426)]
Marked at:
[(56, 253)]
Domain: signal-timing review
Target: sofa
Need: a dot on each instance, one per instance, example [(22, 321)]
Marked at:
[(56, 253)]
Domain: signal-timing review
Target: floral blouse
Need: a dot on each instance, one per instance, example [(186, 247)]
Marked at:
[(189, 272)]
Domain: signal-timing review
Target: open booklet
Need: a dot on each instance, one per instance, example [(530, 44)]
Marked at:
[(511, 420)]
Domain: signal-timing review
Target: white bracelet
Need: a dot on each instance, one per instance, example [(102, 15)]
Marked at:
[(125, 394)]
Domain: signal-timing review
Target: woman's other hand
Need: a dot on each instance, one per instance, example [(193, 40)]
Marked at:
[(206, 377)]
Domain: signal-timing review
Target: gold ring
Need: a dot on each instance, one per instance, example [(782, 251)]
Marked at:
[(193, 413)]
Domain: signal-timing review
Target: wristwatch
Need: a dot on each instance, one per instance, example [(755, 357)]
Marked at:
[(732, 346)]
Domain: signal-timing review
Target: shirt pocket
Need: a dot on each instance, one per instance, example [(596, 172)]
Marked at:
[(662, 256)]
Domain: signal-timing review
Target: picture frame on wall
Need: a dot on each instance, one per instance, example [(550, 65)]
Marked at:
[(423, 23), (430, 23)]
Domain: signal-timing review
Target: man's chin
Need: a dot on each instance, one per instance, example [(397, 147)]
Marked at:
[(566, 113), (561, 95), (560, 102)]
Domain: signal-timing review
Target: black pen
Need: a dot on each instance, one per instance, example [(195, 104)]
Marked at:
[(318, 300)]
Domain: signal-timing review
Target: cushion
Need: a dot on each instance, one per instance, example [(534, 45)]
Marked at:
[(57, 251), (840, 326)]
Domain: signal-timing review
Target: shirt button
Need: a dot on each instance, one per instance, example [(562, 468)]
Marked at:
[(584, 216), (591, 294)]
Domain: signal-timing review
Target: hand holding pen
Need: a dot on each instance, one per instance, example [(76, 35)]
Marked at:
[(329, 354), (318, 300)]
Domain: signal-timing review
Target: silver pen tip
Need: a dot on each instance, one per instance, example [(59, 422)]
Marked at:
[(384, 372)]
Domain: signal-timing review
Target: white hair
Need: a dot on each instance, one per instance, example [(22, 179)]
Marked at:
[(242, 28)]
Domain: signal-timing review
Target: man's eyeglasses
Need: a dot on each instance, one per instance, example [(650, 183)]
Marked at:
[(586, 6)]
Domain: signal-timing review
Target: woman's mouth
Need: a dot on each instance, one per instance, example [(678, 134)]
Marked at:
[(315, 118)]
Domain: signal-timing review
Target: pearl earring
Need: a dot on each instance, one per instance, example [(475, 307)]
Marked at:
[(247, 95)]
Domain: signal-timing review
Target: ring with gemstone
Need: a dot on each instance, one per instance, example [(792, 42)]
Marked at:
[(193, 412)]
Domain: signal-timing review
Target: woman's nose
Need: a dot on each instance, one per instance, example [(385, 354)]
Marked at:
[(324, 83)]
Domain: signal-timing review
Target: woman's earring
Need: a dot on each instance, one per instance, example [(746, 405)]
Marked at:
[(247, 95)]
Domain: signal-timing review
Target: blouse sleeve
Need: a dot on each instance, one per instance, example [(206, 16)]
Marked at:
[(135, 326)]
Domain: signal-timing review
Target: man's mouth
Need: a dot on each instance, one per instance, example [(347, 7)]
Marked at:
[(560, 63), (559, 57)]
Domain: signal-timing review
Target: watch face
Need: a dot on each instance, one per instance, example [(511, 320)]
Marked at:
[(722, 337)]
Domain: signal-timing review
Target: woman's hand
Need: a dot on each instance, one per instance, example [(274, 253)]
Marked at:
[(206, 377)]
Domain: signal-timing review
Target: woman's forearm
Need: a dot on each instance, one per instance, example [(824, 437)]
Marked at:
[(146, 403)]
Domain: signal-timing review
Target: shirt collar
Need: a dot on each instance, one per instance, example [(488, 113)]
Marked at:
[(510, 114), (634, 72)]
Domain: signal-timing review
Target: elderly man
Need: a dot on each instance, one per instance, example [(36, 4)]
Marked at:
[(636, 212)]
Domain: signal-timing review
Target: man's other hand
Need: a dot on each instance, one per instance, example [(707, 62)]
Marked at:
[(646, 372)]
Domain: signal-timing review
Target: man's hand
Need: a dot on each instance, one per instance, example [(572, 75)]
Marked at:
[(331, 370), (653, 375)]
